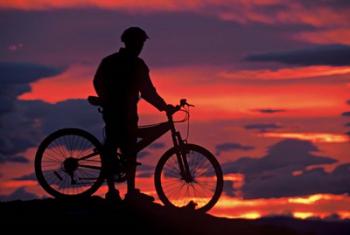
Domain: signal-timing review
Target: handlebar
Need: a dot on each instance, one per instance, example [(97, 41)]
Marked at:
[(183, 103), (171, 111)]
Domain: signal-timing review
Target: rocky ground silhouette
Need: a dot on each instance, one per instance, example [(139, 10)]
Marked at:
[(99, 216)]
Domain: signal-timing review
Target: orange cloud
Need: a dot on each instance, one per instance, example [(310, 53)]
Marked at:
[(151, 5), (327, 36), (310, 199), (319, 205), (288, 73), (74, 83), (313, 137)]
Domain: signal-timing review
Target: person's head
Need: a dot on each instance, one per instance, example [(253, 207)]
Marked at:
[(134, 38)]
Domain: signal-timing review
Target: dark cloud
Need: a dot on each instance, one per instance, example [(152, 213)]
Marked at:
[(281, 184), (143, 154), (273, 174), (333, 217), (145, 174), (347, 114), (15, 79), (157, 145), (33, 120), (69, 113), (225, 147), (24, 73), (290, 153), (327, 3), (229, 188), (269, 110), (18, 131), (337, 55), (19, 194), (262, 127), (36, 119), (13, 159), (30, 176), (30, 121), (145, 171)]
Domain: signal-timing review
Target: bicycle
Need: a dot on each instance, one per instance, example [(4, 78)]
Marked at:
[(68, 164)]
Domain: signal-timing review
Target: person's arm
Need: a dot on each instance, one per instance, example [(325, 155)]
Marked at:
[(149, 92)]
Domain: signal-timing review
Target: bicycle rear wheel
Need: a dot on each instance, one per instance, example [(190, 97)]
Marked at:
[(204, 189), (68, 163)]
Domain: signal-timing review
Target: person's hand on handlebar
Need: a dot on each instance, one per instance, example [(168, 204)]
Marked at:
[(171, 109)]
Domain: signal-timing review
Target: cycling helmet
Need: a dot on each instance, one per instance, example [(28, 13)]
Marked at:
[(134, 34)]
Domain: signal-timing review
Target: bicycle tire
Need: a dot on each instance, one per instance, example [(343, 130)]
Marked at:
[(208, 156), (44, 146)]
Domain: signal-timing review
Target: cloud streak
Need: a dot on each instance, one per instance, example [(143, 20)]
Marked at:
[(294, 73), (229, 146), (269, 110), (13, 159), (346, 114), (313, 137), (262, 127), (19, 194), (331, 55)]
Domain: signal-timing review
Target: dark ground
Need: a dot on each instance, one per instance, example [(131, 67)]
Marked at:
[(98, 216)]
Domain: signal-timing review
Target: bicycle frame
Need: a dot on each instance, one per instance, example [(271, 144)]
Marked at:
[(150, 134)]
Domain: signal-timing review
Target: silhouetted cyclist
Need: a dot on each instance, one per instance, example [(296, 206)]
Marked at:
[(120, 80)]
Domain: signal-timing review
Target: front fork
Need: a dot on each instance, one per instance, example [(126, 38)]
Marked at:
[(181, 155)]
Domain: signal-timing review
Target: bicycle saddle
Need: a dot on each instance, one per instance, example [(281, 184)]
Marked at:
[(95, 101)]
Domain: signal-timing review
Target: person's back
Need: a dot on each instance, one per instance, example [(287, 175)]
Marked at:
[(120, 80)]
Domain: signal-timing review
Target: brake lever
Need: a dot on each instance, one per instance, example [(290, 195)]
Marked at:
[(189, 105)]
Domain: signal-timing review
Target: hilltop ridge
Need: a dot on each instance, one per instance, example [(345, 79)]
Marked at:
[(96, 215)]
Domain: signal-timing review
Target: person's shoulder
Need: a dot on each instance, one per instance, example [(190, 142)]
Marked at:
[(141, 62), (111, 57)]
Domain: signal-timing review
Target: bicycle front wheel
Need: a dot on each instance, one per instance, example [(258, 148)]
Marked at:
[(204, 188), (68, 163)]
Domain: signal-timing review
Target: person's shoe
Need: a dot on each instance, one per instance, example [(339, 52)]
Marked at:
[(137, 196), (113, 196)]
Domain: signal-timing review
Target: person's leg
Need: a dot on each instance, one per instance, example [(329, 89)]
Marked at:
[(110, 149), (131, 173), (128, 149)]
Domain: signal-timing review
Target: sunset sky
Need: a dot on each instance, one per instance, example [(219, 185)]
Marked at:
[(270, 81)]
